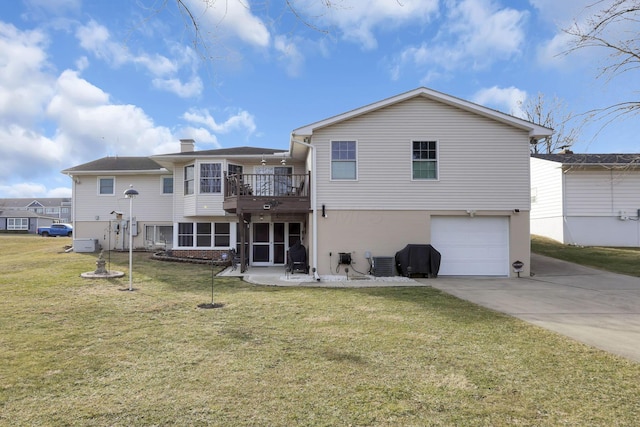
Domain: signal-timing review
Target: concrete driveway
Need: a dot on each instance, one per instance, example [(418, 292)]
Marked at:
[(592, 306)]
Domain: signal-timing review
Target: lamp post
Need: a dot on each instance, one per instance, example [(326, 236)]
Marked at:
[(130, 194)]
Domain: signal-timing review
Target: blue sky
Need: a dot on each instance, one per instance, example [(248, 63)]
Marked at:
[(80, 80)]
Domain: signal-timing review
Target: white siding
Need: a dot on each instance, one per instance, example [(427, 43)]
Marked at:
[(602, 193), (546, 199), (602, 231), (150, 205), (483, 164)]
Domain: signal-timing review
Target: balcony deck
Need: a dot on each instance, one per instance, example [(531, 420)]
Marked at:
[(253, 193)]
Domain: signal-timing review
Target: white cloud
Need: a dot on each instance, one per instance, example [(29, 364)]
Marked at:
[(88, 123), (96, 39), (242, 120), (507, 99), (24, 189), (289, 54), (474, 33), (555, 51), (24, 87), (188, 89), (358, 20), (230, 19)]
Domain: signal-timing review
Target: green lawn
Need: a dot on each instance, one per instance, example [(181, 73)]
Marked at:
[(83, 352), (617, 260)]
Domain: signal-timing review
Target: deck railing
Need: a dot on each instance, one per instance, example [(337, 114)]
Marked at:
[(268, 185)]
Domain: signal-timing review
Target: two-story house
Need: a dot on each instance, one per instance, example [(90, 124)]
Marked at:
[(420, 167)]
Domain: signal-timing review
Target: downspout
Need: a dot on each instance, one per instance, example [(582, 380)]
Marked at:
[(314, 210), (73, 202)]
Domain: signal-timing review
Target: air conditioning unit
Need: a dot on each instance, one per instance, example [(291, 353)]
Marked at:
[(85, 245), (384, 266)]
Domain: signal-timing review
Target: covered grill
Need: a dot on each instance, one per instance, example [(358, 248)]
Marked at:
[(297, 259), (418, 259)]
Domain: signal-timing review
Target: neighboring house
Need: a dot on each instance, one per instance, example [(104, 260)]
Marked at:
[(586, 199), (24, 221), (51, 207), (420, 167)]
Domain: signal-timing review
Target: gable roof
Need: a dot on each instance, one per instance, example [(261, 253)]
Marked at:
[(117, 164), (535, 131), (233, 151), (9, 213), (221, 153), (590, 159), (25, 202)]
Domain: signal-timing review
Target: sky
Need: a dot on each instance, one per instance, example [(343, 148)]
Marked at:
[(81, 79)]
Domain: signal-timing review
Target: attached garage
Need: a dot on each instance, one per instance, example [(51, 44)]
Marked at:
[(471, 246)]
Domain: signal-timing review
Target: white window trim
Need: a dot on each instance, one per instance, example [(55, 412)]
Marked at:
[(357, 160), (184, 180), (437, 178), (162, 178), (199, 178), (98, 185), (21, 226), (194, 235)]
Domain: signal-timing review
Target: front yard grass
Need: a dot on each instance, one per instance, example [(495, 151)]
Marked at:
[(75, 351)]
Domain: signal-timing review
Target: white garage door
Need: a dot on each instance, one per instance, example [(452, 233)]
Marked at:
[(477, 246)]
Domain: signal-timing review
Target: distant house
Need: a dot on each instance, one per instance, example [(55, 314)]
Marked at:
[(586, 199), (26, 221), (420, 167), (51, 207)]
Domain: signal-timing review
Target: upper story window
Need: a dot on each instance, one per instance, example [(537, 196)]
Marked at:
[(106, 186), (167, 185), (234, 169), (189, 179), (210, 177), (425, 160), (343, 160)]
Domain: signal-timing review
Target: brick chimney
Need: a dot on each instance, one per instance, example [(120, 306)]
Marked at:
[(187, 145)]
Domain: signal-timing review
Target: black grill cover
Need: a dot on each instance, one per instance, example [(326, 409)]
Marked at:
[(418, 259), (298, 258)]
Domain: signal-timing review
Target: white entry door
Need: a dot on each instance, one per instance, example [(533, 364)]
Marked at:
[(471, 246)]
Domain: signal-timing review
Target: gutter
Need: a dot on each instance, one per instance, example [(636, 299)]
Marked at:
[(314, 210)]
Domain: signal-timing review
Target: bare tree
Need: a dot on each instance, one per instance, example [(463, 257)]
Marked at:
[(613, 25), (553, 115)]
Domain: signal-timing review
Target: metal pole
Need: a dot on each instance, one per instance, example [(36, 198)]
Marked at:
[(130, 243)]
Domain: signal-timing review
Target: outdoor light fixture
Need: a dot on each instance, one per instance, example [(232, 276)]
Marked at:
[(263, 161), (130, 194)]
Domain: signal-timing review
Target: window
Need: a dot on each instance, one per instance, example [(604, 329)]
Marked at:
[(167, 185), (222, 234), (51, 211), (207, 234), (283, 181), (234, 170), (425, 161), (188, 179), (185, 234), (203, 234), (210, 177), (17, 223), (343, 160), (106, 186), (159, 235)]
